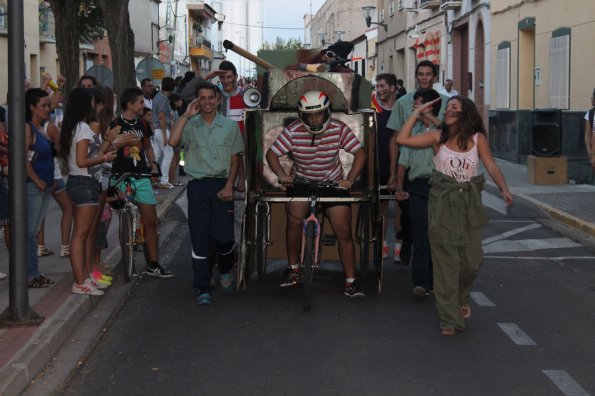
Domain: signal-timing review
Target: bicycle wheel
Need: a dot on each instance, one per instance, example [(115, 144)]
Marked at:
[(127, 244), (309, 261)]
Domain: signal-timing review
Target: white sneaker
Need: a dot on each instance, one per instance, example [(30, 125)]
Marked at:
[(86, 288)]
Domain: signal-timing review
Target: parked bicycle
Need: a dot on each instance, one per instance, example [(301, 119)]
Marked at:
[(121, 195)]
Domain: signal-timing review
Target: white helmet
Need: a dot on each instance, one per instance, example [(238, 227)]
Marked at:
[(315, 102)]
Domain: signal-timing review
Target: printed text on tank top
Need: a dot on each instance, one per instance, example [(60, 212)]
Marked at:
[(460, 165)]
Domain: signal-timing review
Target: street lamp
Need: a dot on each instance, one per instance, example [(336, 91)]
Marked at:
[(367, 10), (339, 33)]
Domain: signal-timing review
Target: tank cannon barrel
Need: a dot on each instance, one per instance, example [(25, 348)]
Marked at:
[(242, 52)]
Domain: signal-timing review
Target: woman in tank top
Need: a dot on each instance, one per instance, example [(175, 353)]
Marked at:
[(40, 178), (455, 210)]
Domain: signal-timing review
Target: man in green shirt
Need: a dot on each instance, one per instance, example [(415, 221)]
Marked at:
[(420, 164), (212, 145)]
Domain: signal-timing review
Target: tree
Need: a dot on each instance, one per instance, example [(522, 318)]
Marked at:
[(78, 20), (121, 41), (67, 39), (281, 44)]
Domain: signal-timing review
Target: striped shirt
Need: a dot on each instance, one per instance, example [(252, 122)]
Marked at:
[(317, 159)]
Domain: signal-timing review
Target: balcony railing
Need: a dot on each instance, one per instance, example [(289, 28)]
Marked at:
[(429, 4)]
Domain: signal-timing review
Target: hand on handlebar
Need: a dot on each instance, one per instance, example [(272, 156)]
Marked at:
[(286, 181), (346, 184)]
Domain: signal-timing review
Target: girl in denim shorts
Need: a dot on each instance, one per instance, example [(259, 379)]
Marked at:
[(84, 152)]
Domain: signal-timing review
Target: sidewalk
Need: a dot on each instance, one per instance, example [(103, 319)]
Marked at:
[(568, 203), (24, 351)]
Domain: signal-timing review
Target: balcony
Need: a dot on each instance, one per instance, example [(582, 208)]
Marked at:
[(429, 4), (200, 47), (450, 5)]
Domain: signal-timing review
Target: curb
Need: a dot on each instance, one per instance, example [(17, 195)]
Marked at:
[(24, 367), (562, 216)]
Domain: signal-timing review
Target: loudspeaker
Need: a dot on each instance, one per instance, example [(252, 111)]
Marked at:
[(252, 97), (546, 138)]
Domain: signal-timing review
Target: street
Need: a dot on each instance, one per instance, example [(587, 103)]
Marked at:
[(530, 333)]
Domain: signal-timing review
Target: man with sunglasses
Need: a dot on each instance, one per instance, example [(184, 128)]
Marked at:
[(328, 60)]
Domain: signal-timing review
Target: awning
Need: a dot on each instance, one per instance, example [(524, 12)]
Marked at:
[(427, 47)]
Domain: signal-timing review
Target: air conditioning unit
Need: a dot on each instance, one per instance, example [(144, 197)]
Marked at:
[(450, 5), (404, 5)]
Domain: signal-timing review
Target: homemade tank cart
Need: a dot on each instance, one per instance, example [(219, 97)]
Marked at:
[(264, 217)]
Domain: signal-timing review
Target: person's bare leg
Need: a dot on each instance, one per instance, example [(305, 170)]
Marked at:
[(340, 218)]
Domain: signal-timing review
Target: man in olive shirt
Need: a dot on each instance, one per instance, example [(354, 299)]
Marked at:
[(212, 144), (420, 164)]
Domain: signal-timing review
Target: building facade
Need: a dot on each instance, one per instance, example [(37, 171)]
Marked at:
[(541, 68)]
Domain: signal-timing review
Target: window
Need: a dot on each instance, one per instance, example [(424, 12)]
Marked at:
[(560, 69), (502, 83)]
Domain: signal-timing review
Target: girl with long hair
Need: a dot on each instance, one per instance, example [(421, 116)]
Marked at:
[(455, 209), (84, 153)]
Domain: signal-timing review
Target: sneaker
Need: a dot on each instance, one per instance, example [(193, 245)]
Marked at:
[(353, 290), (157, 271), (99, 276), (384, 250), (99, 285), (203, 299), (292, 277), (226, 281), (65, 251), (397, 252), (420, 291), (86, 288)]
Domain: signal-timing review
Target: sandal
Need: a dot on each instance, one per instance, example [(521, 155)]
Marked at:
[(465, 311), (37, 283), (46, 280), (65, 251), (43, 251)]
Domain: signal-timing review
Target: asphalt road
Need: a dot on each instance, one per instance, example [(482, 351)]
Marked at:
[(531, 332)]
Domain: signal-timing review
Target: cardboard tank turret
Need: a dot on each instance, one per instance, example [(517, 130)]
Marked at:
[(274, 108)]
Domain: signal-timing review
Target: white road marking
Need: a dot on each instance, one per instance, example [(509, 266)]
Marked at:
[(515, 333), (565, 383), (561, 258), (480, 299), (494, 202), (510, 233), (524, 245)]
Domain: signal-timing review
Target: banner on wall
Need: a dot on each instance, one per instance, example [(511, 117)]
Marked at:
[(427, 47)]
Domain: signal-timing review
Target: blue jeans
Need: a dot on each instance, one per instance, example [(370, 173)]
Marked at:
[(209, 218), (37, 207), (421, 264)]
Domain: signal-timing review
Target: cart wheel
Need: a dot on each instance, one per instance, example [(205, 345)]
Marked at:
[(378, 262), (260, 245), (309, 260), (242, 255), (363, 217)]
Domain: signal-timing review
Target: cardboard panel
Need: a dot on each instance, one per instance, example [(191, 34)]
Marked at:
[(547, 170)]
